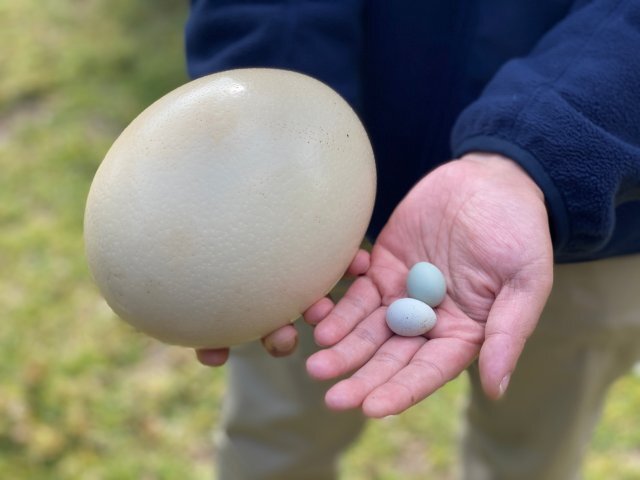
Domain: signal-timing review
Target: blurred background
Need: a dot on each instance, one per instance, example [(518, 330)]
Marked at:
[(82, 396)]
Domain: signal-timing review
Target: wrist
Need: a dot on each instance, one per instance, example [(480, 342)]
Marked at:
[(504, 167)]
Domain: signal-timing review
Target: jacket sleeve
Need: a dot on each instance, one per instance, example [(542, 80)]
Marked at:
[(569, 113), (322, 38)]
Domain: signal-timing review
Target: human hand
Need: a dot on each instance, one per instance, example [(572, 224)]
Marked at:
[(279, 343), (483, 222), (282, 341)]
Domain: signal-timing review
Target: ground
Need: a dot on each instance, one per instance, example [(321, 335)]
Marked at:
[(82, 396)]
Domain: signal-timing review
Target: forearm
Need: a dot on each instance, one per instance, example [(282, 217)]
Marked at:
[(568, 114)]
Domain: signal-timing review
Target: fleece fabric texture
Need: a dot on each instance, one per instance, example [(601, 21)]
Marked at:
[(553, 84)]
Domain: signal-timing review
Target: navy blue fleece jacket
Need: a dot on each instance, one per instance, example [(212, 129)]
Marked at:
[(552, 84)]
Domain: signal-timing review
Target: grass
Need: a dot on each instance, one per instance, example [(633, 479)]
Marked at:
[(81, 395)]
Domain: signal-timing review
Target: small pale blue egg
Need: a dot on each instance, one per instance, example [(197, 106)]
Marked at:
[(409, 317), (426, 283)]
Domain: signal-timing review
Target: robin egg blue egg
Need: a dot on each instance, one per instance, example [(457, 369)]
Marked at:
[(426, 283), (410, 317)]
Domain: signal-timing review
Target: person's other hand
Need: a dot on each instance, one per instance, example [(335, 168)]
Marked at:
[(282, 341), (483, 221)]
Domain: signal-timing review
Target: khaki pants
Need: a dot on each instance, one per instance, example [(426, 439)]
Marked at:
[(275, 425)]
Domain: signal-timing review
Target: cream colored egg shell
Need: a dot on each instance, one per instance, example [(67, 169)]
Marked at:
[(229, 206)]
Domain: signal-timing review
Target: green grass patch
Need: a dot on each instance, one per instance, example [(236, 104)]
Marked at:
[(82, 396)]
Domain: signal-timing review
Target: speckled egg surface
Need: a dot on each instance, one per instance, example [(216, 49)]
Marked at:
[(410, 317), (229, 206)]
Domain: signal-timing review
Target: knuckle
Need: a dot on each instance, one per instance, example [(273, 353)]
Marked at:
[(432, 367), (388, 358), (365, 335), (356, 305)]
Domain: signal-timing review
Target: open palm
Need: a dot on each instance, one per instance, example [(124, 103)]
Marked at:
[(483, 222)]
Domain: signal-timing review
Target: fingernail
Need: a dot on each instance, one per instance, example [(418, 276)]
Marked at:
[(504, 384), (285, 349)]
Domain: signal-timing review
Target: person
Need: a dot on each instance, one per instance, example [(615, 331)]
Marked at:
[(507, 143)]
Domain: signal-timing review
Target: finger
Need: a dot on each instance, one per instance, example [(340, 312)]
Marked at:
[(281, 342), (360, 300), (394, 355), (353, 351), (318, 311), (360, 264), (212, 357), (437, 362), (513, 317)]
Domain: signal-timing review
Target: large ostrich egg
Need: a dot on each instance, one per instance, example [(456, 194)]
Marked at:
[(229, 206)]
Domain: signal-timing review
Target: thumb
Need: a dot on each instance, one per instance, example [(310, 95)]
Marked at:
[(512, 319)]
